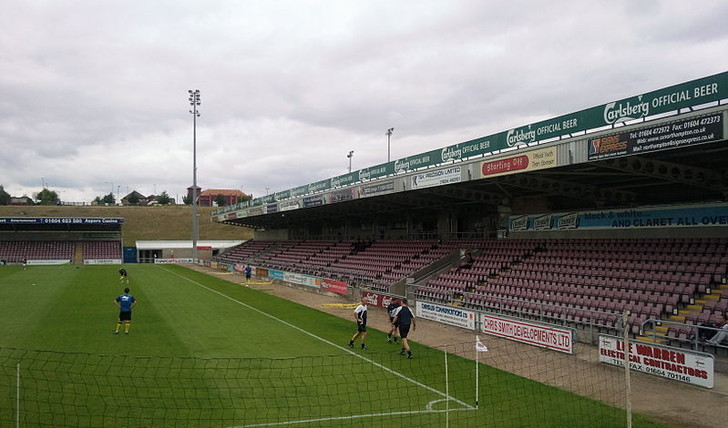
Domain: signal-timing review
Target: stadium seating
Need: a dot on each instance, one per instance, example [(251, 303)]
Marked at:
[(573, 281), (590, 280), (102, 250), (20, 251), (375, 265)]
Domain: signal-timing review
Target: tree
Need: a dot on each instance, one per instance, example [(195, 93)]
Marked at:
[(47, 197), (106, 199), (220, 200), (4, 196), (133, 198), (187, 200), (164, 198)]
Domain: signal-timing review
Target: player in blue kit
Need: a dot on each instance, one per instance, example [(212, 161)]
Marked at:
[(125, 303)]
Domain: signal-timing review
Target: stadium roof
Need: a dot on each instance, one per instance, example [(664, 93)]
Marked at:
[(690, 174)]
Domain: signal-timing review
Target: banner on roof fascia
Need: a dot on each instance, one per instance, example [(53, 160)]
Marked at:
[(268, 199), (377, 171), (342, 195), (314, 201), (437, 177), (422, 160), (700, 91), (59, 220), (299, 191), (465, 150), (376, 189), (529, 161), (645, 218), (231, 216), (320, 186), (271, 208), (255, 211), (289, 205), (285, 194), (671, 135), (345, 180), (676, 364)]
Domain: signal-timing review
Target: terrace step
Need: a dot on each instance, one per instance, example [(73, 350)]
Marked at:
[(650, 339)]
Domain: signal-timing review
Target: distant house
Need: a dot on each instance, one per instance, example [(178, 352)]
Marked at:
[(208, 198), (20, 200), (140, 199)]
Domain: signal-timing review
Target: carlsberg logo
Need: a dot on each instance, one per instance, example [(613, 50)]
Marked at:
[(516, 137), (450, 153), (615, 113), (400, 165)]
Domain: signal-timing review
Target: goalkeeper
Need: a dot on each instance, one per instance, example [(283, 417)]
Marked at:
[(123, 275)]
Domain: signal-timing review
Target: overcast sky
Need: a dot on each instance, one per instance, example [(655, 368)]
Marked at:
[(93, 94)]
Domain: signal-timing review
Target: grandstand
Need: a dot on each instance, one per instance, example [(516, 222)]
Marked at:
[(570, 221), (559, 281), (60, 240)]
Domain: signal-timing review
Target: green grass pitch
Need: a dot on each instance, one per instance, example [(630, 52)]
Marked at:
[(206, 352)]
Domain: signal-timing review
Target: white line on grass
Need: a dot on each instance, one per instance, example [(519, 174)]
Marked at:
[(387, 369), (342, 418)]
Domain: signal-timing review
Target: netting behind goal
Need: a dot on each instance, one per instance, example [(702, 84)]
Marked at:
[(436, 388)]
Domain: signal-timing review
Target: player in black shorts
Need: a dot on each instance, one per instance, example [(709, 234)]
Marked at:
[(360, 315), (405, 318), (391, 309), (123, 275)]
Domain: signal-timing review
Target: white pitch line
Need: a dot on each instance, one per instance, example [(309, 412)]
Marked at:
[(342, 418), (376, 364)]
